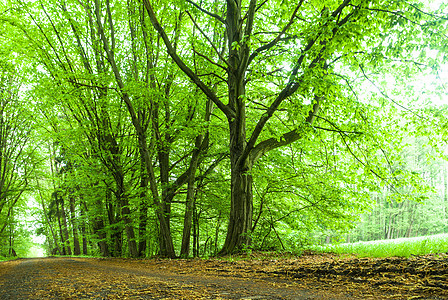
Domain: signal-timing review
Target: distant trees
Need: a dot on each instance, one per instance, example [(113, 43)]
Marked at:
[(396, 217)]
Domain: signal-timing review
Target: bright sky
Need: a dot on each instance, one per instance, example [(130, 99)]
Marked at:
[(434, 4), (37, 250)]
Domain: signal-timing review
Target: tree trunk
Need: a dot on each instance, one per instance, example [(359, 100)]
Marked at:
[(188, 217), (241, 210), (65, 227), (44, 210), (195, 231), (143, 210), (76, 246), (116, 230), (11, 239), (83, 227), (130, 234), (218, 225), (167, 248), (201, 143), (98, 228), (164, 166), (62, 222), (125, 213)]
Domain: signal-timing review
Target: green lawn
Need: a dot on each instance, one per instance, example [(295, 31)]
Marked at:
[(398, 247)]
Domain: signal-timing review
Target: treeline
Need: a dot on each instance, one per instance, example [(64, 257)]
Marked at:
[(392, 218), (182, 128)]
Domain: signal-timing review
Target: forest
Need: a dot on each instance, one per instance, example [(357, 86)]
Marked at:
[(195, 128)]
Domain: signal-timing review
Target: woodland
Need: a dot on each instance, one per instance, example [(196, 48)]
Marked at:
[(202, 127)]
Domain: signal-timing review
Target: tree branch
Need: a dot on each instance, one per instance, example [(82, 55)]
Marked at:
[(193, 76), (426, 13), (285, 139), (210, 42), (207, 12), (250, 18), (385, 95), (277, 39), (247, 33), (209, 60), (338, 130), (291, 87)]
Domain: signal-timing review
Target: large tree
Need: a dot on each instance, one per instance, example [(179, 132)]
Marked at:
[(291, 60)]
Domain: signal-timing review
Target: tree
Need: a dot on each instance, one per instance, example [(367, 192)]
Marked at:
[(18, 159), (14, 137), (286, 60)]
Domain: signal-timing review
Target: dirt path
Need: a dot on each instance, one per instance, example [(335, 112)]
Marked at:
[(80, 278), (307, 277)]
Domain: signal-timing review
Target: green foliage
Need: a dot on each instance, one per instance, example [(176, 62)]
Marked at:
[(322, 94)]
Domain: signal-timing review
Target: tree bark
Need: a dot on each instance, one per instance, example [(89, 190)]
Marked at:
[(65, 228), (125, 211), (98, 228), (241, 206), (195, 231), (114, 218), (62, 221), (188, 217), (83, 227), (167, 247), (241, 210), (143, 210), (76, 246)]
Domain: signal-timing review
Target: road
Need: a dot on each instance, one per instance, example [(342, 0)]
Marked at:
[(84, 278)]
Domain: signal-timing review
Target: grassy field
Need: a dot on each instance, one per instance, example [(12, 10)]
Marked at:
[(398, 247)]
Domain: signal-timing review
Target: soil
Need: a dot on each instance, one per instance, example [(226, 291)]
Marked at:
[(255, 276)]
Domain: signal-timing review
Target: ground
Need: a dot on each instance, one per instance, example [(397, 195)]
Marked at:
[(254, 276)]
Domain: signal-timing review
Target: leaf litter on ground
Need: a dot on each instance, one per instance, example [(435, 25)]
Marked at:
[(251, 276)]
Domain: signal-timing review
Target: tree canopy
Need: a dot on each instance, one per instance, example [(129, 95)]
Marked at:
[(219, 126)]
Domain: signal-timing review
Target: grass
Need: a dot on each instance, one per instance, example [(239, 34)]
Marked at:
[(403, 247)]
